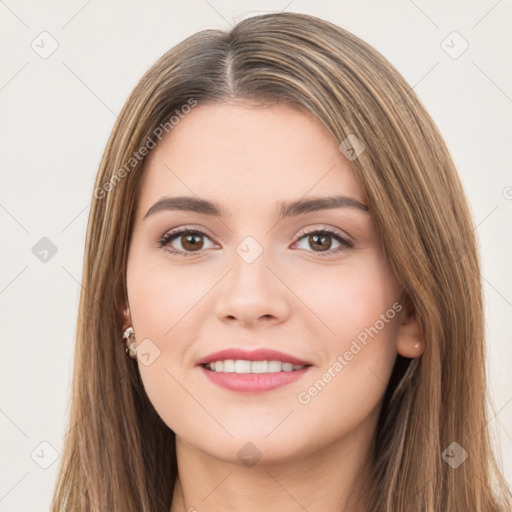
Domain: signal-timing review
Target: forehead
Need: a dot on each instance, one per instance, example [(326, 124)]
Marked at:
[(244, 154)]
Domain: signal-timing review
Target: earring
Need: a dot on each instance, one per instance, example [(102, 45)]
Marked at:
[(130, 342)]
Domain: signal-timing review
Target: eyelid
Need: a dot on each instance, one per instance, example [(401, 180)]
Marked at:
[(343, 238), (301, 233), (175, 233), (329, 229), (346, 242)]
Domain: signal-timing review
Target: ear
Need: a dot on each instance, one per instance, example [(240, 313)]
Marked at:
[(126, 317), (409, 338)]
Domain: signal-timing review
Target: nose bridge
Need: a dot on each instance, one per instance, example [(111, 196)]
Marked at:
[(251, 289), (250, 267)]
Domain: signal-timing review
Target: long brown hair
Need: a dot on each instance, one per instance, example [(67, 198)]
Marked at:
[(119, 455)]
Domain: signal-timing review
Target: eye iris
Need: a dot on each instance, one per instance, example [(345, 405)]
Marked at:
[(188, 243), (313, 240)]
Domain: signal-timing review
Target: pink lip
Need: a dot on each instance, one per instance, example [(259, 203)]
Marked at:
[(260, 354), (253, 382)]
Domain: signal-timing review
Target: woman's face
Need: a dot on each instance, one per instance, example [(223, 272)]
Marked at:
[(249, 278)]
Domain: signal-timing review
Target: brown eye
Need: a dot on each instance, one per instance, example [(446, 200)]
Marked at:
[(320, 241), (191, 241)]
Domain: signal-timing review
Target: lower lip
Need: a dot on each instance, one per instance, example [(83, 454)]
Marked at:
[(253, 382)]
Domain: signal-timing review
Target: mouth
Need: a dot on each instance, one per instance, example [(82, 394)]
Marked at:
[(244, 366), (241, 361), (254, 375), (254, 371)]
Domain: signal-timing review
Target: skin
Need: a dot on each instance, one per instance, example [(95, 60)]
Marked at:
[(291, 298)]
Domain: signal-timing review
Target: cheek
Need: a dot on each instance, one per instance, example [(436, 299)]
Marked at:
[(165, 303), (350, 300), (163, 298), (358, 309)]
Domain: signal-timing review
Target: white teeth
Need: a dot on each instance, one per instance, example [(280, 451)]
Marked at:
[(274, 366), (244, 366), (287, 367), (241, 366), (229, 365), (259, 367)]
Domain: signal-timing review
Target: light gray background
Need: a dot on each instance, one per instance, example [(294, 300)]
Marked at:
[(58, 112)]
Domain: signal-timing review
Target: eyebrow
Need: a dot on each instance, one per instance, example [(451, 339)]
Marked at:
[(284, 208)]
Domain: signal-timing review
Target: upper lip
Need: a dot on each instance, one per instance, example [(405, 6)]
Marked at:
[(260, 354)]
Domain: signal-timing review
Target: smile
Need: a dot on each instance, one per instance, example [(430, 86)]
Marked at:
[(241, 376), (244, 366)]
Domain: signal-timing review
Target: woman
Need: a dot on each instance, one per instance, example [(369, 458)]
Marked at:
[(273, 370)]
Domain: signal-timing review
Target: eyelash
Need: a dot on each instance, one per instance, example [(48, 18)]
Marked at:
[(170, 236)]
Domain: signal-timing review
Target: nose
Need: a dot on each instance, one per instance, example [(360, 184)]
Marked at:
[(252, 294)]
